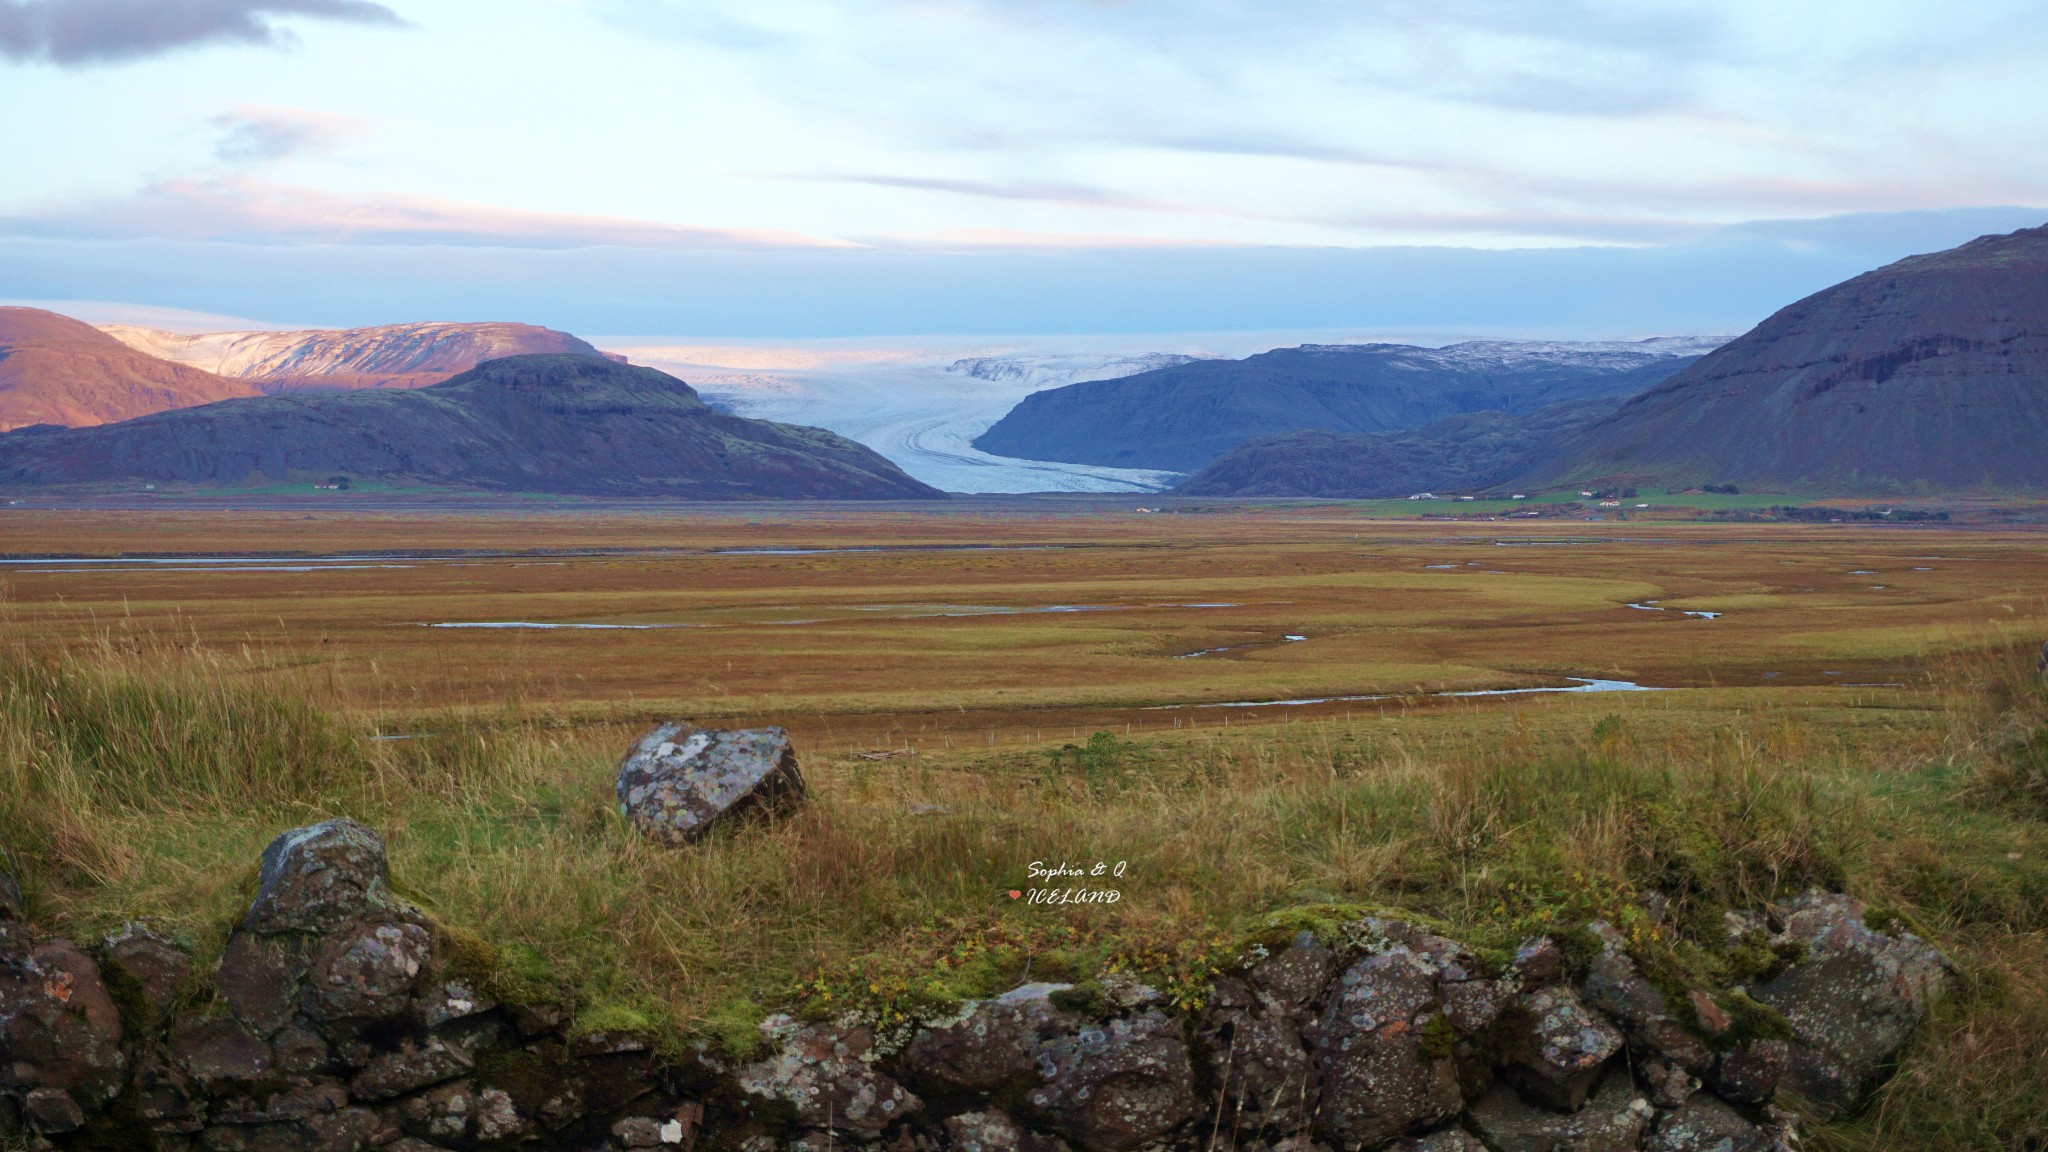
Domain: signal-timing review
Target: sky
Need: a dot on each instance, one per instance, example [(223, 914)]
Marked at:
[(831, 168)]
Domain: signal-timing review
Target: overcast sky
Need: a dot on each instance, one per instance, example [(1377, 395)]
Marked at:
[(819, 167)]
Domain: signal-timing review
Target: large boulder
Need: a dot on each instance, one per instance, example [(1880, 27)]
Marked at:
[(318, 878), (1851, 1001), (1383, 1046), (1612, 1120), (1117, 1085), (680, 780), (826, 1074)]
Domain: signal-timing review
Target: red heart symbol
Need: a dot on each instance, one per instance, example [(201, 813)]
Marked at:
[(1014, 893)]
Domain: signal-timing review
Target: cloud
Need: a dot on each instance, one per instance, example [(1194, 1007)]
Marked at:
[(74, 32), (1722, 282), (242, 209), (250, 134)]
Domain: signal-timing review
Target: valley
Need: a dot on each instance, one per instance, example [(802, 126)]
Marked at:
[(1001, 622)]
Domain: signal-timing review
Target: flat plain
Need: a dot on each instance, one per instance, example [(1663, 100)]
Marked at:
[(999, 622), (1265, 712)]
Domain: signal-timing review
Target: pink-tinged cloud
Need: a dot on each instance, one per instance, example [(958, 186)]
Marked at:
[(244, 209), (254, 134)]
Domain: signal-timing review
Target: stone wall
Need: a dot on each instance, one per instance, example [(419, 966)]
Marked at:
[(340, 1019)]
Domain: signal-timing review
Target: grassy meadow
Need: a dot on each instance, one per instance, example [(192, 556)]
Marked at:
[(1863, 714)]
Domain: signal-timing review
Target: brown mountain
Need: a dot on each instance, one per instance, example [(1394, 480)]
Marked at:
[(56, 370), (1924, 375), (550, 423), (386, 356)]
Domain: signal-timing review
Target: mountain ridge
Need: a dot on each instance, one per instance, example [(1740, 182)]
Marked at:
[(410, 355), (1930, 373), (554, 423), (1180, 417), (1466, 453), (57, 370)]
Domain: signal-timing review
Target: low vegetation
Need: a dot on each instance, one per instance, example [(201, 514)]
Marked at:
[(144, 779)]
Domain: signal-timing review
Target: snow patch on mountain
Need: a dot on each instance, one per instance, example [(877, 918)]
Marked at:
[(386, 356)]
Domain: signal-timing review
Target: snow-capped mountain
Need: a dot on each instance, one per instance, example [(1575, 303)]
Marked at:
[(387, 356)]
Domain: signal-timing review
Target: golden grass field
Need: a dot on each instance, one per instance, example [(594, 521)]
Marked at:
[(1008, 622), (1863, 714)]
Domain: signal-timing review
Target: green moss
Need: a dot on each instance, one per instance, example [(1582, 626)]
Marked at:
[(612, 1018), (1437, 1039), (1752, 1021), (1060, 966), (983, 976), (1087, 998), (1891, 921), (138, 1015), (735, 1027), (1579, 947)]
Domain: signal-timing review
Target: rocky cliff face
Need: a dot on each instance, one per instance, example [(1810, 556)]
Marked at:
[(339, 1018), (1180, 417), (566, 424), (386, 356), (56, 370), (1927, 374)]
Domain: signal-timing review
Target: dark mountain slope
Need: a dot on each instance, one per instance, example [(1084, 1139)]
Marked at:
[(1931, 373), (545, 423), (56, 370), (1459, 454), (1179, 418)]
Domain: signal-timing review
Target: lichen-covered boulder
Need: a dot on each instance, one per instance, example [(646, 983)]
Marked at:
[(1707, 1124), (409, 1067), (1852, 1000), (1258, 1060), (1612, 1120), (442, 1115), (1253, 1034), (1116, 1085), (318, 878), (367, 973), (992, 1131), (827, 1075), (1613, 986), (149, 968), (60, 1033), (259, 978), (990, 1046), (680, 780), (1383, 1046), (1559, 1054)]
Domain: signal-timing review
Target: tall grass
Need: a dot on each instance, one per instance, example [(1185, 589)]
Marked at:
[(145, 780)]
